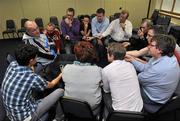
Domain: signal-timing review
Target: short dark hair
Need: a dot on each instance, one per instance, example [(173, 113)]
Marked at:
[(117, 50), (51, 24), (24, 53), (100, 10), (71, 10), (148, 22), (85, 52), (86, 16), (165, 43)]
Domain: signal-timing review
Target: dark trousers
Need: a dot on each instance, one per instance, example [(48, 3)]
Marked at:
[(149, 105), (107, 99)]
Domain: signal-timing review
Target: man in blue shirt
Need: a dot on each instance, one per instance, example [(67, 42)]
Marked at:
[(159, 77), (99, 24), (18, 84)]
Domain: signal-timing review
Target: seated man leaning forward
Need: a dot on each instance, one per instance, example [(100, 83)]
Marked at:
[(33, 37), (159, 77), (82, 79), (120, 80), (119, 29), (18, 84)]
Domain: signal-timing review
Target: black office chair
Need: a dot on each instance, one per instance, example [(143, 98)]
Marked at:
[(169, 111), (10, 29), (2, 109), (125, 116), (22, 29), (77, 110), (154, 16), (40, 24), (54, 20), (116, 15), (92, 16)]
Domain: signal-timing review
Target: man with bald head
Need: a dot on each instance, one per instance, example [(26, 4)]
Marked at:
[(34, 37)]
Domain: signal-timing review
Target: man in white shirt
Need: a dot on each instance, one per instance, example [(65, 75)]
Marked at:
[(120, 80), (119, 29)]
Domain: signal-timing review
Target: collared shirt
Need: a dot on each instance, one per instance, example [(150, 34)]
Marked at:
[(45, 55), (116, 31), (121, 80), (99, 27), (17, 86), (82, 81), (73, 32), (159, 77)]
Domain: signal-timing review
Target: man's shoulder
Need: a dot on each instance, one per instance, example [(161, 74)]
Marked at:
[(128, 22)]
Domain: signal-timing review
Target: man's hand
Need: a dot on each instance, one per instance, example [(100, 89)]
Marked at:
[(129, 58), (89, 38), (68, 22), (100, 37), (99, 42), (67, 37), (140, 33), (123, 26)]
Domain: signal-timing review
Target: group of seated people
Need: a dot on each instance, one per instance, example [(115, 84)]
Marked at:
[(127, 83)]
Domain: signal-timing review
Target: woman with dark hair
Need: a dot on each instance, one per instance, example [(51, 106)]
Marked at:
[(82, 78)]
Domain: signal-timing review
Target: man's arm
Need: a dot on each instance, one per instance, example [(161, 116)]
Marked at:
[(108, 30), (137, 53), (106, 87), (75, 27), (105, 25), (138, 65), (52, 83), (63, 28), (93, 26), (149, 76)]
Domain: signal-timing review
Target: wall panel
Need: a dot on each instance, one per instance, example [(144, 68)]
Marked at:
[(17, 9)]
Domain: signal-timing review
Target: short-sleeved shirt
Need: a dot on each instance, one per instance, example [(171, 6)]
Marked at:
[(17, 87)]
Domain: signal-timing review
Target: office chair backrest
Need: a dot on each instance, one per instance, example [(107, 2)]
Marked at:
[(167, 20), (93, 15), (76, 108), (172, 105), (23, 21), (154, 16), (39, 22), (10, 24), (54, 20), (125, 116), (116, 15)]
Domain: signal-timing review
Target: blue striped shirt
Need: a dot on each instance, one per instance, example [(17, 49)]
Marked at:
[(17, 86)]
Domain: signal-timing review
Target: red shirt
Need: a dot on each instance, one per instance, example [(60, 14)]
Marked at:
[(55, 37)]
